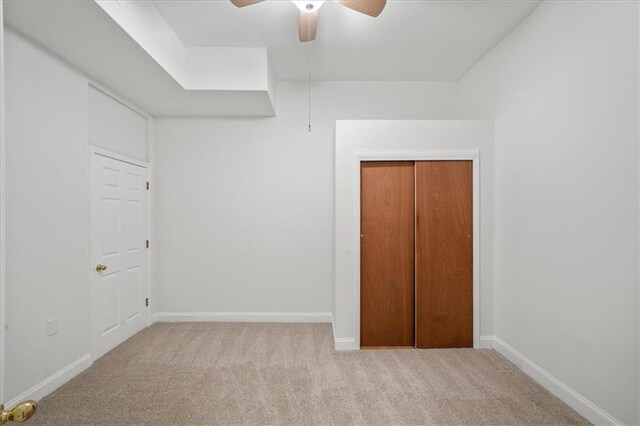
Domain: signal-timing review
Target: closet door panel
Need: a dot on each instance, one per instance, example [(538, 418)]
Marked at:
[(387, 254), (444, 254)]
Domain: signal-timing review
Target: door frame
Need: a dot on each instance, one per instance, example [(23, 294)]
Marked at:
[(95, 150), (3, 202), (472, 155)]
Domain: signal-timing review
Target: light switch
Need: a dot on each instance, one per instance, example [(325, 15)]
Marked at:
[(52, 326)]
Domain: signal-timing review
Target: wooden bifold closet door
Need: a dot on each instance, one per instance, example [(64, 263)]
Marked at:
[(416, 254)]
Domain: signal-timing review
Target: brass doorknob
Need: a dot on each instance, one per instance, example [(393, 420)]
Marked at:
[(20, 413), (101, 267)]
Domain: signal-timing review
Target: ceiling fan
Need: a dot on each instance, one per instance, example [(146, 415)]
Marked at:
[(308, 21)]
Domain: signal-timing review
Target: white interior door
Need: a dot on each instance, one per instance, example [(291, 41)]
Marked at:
[(118, 247)]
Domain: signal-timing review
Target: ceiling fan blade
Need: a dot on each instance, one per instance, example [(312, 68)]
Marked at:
[(368, 7), (243, 3), (308, 26)]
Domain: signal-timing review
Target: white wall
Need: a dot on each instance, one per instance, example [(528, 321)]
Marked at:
[(563, 89), (47, 171), (47, 216), (244, 206), (358, 136), (116, 127)]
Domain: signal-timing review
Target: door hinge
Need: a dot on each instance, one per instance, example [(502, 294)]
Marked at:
[(146, 302), (147, 186), (147, 243)]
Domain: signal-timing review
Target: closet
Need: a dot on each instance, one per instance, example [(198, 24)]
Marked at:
[(416, 254)]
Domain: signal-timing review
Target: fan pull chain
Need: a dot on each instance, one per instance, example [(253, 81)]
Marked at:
[(309, 89)]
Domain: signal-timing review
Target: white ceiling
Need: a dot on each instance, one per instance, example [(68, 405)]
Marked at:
[(81, 33), (410, 40)]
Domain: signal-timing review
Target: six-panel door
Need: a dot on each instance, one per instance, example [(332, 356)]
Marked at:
[(118, 242)]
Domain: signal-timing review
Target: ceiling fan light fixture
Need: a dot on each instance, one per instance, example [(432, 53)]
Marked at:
[(308, 15), (308, 6)]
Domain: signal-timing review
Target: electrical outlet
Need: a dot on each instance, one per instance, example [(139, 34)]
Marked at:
[(52, 326)]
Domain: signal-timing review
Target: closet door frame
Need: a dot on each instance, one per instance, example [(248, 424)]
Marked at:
[(472, 155)]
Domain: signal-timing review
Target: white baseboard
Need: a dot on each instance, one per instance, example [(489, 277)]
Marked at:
[(486, 342), (573, 399), (53, 382), (281, 317), (346, 344), (343, 343)]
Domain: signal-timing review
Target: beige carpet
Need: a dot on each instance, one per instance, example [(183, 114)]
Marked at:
[(200, 374)]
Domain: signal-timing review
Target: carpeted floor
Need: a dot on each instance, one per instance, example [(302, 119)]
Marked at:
[(258, 374)]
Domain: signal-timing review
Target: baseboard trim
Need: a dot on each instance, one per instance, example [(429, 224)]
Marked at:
[(345, 344), (53, 382), (277, 317), (486, 342), (573, 399)]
